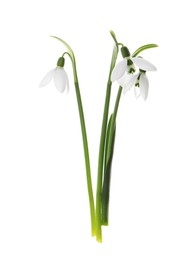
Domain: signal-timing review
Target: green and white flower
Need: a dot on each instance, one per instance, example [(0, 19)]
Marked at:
[(126, 67), (123, 73), (59, 76), (140, 83)]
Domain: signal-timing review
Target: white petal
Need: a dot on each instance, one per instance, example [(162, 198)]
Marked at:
[(130, 83), (124, 79), (60, 79), (47, 78), (67, 83), (137, 92), (143, 64), (119, 70), (144, 86)]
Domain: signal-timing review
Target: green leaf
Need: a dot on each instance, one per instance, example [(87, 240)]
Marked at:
[(107, 173), (144, 47), (114, 37), (115, 52), (114, 58), (66, 45)]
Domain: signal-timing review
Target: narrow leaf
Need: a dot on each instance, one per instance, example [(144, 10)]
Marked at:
[(144, 47), (66, 45), (107, 174), (114, 37)]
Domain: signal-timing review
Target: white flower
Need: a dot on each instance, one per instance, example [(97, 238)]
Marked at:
[(126, 67), (123, 73), (140, 83), (59, 76)]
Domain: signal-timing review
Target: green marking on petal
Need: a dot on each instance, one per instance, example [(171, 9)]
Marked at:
[(129, 62), (131, 70), (137, 85)]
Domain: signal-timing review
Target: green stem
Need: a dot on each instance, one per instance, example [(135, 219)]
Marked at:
[(113, 122), (87, 159), (108, 161), (102, 149), (84, 136), (107, 175), (86, 151)]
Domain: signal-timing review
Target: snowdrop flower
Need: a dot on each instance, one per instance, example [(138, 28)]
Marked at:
[(126, 67), (59, 76), (140, 83)]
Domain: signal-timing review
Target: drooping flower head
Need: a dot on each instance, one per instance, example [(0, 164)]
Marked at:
[(59, 76), (140, 83), (124, 71), (126, 66)]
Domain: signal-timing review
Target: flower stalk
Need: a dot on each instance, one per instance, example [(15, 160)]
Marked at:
[(108, 160), (102, 148), (111, 129), (127, 77), (84, 137)]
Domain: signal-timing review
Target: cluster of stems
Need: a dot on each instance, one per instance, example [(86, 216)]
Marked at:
[(99, 214)]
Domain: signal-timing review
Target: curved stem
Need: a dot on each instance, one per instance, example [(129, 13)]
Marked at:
[(121, 44), (67, 54), (84, 136), (102, 148)]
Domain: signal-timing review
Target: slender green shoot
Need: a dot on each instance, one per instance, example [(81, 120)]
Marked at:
[(107, 175), (144, 47), (108, 160), (84, 137), (102, 146)]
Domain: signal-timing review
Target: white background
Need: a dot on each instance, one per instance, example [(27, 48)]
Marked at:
[(44, 210)]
